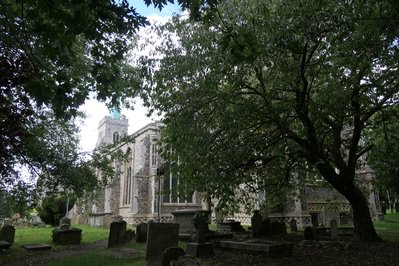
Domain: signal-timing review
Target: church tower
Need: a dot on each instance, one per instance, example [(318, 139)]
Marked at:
[(111, 128)]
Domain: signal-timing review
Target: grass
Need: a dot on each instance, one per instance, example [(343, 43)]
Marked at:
[(24, 236), (98, 259), (388, 229)]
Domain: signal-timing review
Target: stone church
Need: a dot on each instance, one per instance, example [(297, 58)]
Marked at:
[(139, 195)]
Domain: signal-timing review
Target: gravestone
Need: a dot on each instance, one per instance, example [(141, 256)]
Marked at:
[(172, 253), (160, 237), (65, 222), (334, 229), (200, 248), (71, 236), (7, 233), (277, 228), (141, 232), (117, 233), (265, 230), (256, 223), (308, 233), (293, 225), (7, 221), (4, 244)]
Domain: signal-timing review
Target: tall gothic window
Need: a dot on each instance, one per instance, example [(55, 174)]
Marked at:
[(127, 184), (154, 155), (174, 191), (115, 137)]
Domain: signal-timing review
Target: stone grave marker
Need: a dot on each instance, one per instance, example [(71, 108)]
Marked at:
[(256, 223), (160, 237), (334, 229), (308, 233), (200, 248), (65, 222), (7, 233), (293, 225), (4, 244), (117, 233), (278, 228), (172, 253), (141, 232)]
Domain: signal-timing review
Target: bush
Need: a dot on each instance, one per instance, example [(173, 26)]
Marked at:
[(53, 208)]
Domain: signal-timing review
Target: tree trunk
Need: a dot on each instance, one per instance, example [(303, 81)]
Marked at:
[(364, 227)]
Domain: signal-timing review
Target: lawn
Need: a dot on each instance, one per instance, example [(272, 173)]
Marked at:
[(387, 229)]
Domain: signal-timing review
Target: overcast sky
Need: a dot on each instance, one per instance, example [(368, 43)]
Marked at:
[(95, 110)]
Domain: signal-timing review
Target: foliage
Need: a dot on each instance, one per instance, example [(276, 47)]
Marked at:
[(53, 56), (53, 208), (262, 93), (20, 198), (383, 157)]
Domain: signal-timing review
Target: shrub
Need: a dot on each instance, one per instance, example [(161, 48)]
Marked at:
[(53, 208)]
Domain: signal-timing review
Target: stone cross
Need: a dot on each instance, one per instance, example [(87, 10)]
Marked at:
[(200, 222)]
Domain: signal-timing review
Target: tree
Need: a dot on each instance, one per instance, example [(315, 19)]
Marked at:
[(53, 56), (261, 91), (384, 155), (53, 208)]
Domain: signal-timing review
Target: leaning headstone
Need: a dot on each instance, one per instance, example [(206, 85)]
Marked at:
[(334, 229), (308, 233), (65, 220), (160, 237), (256, 223), (7, 233), (293, 225), (141, 232), (172, 253), (117, 232)]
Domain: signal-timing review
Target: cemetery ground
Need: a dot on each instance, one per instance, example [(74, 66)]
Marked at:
[(93, 250)]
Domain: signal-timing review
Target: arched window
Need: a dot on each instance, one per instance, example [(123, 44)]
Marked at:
[(127, 190), (115, 137)]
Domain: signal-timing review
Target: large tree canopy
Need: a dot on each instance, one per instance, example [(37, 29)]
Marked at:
[(261, 90), (53, 56)]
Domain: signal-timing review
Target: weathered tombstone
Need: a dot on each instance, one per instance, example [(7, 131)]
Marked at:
[(4, 244), (200, 248), (160, 237), (65, 220), (277, 228), (7, 233), (293, 225), (256, 223), (67, 236), (141, 232), (172, 253), (117, 232), (308, 233), (265, 230), (7, 221), (334, 229)]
